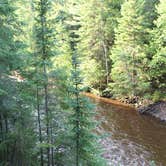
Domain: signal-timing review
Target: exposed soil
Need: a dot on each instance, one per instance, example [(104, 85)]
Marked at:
[(110, 101)]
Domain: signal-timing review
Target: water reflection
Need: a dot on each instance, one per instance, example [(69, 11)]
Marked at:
[(135, 139)]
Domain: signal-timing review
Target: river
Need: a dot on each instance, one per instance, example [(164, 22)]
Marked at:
[(132, 139)]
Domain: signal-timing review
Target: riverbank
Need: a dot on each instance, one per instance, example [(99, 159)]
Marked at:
[(110, 101), (157, 109), (130, 139)]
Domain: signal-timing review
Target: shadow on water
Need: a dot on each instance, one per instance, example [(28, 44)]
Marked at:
[(135, 140)]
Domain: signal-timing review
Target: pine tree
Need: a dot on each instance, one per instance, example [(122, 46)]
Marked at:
[(149, 15), (82, 122), (128, 54), (43, 47), (16, 142), (149, 12), (46, 80), (8, 49), (98, 22), (158, 63)]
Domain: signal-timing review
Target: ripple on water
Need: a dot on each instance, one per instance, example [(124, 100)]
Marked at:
[(124, 153), (135, 140)]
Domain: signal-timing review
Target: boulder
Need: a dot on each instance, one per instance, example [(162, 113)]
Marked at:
[(157, 109)]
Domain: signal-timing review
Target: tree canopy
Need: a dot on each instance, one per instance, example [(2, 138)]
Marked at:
[(51, 52)]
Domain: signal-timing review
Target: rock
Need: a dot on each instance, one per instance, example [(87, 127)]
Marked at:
[(107, 93), (157, 109)]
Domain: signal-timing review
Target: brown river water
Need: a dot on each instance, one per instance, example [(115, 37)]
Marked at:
[(132, 139)]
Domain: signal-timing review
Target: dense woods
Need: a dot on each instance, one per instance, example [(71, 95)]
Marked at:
[(52, 51)]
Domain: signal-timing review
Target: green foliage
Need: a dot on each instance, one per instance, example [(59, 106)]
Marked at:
[(51, 50), (16, 142), (91, 72), (15, 113), (128, 53), (84, 149), (152, 163), (97, 34), (82, 123), (157, 96), (158, 63), (8, 30)]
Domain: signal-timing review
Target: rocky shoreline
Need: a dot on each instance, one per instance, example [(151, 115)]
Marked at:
[(143, 106), (157, 110)]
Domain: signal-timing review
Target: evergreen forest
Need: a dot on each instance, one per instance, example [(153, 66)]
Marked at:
[(52, 52)]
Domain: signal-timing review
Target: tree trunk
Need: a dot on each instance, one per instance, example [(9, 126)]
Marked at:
[(43, 26), (2, 135), (1, 126), (52, 148), (39, 127), (6, 132), (47, 116), (106, 63), (12, 161), (133, 74), (77, 122)]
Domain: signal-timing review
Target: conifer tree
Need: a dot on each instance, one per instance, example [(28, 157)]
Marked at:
[(8, 54), (44, 78), (8, 49), (16, 142), (97, 37), (43, 51), (149, 12), (82, 120), (128, 53), (149, 15), (158, 63)]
